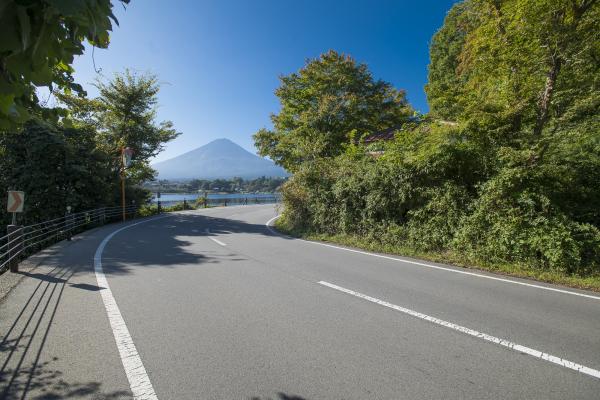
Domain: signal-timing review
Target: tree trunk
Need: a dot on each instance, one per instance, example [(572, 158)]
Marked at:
[(546, 96)]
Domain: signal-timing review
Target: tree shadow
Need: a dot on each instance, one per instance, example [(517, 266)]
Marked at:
[(280, 396), (174, 242), (47, 383), (169, 242)]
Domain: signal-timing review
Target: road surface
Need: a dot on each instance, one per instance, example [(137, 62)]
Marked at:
[(212, 304)]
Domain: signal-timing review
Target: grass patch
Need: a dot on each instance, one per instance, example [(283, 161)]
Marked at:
[(450, 258)]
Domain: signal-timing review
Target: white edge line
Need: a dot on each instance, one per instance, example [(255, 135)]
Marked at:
[(217, 241), (589, 296), (502, 342), (139, 382)]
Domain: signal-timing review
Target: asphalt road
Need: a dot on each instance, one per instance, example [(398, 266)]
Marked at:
[(239, 312)]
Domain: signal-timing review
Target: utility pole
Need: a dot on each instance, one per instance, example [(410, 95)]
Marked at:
[(126, 154)]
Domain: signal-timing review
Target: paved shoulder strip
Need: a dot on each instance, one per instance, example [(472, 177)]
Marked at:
[(456, 271), (502, 342), (139, 382)]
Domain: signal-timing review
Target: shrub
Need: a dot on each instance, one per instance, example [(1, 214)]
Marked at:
[(513, 220)]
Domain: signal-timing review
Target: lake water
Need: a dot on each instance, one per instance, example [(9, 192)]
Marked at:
[(219, 198)]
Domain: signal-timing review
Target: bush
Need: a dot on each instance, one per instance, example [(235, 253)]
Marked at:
[(512, 221), (148, 210), (200, 202), (441, 194), (434, 225)]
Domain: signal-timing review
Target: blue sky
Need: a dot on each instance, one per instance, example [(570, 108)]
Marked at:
[(219, 61)]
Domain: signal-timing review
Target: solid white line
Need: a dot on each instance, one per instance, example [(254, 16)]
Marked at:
[(139, 382), (456, 271), (217, 241), (502, 342)]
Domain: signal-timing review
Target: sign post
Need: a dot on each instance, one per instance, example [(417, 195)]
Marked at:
[(14, 204), (126, 154)]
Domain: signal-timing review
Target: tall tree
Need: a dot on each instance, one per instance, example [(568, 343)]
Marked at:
[(126, 117), (323, 105), (516, 64)]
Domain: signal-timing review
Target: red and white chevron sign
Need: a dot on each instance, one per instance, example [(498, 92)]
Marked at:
[(15, 201)]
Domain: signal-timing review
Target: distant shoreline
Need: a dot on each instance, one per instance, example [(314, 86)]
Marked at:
[(180, 197)]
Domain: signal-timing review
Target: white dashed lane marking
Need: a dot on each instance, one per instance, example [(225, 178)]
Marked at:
[(217, 241), (502, 342)]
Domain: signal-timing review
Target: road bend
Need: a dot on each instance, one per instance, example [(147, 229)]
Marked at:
[(213, 304)]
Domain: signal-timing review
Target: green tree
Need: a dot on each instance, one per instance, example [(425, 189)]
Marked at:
[(39, 41), (513, 67), (505, 167), (324, 105), (126, 117), (55, 167)]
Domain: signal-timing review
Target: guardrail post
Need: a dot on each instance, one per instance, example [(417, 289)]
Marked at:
[(69, 225), (15, 240)]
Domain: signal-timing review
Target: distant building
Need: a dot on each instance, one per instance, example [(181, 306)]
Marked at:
[(389, 133), (371, 141), (384, 135)]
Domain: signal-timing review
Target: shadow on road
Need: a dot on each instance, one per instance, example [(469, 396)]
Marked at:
[(173, 242), (280, 396), (53, 279), (24, 373)]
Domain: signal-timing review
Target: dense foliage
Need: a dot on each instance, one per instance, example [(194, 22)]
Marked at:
[(39, 39), (330, 101), (262, 184), (76, 161), (505, 168)]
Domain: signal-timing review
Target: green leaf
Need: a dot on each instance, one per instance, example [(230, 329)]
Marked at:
[(68, 7), (6, 101)]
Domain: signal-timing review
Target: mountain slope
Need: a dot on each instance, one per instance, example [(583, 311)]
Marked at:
[(220, 158)]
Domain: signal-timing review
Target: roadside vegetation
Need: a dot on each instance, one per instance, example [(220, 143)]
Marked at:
[(502, 174), (67, 152)]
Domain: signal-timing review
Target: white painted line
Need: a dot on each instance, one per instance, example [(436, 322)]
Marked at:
[(139, 382), (456, 271), (217, 241), (502, 342)]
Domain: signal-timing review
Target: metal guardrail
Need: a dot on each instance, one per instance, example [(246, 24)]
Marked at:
[(23, 241)]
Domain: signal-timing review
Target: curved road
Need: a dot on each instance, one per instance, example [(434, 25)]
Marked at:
[(217, 306)]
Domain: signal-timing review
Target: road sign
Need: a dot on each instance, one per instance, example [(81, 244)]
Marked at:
[(15, 201), (127, 153)]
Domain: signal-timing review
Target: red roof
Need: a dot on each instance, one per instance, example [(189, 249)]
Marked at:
[(386, 134)]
